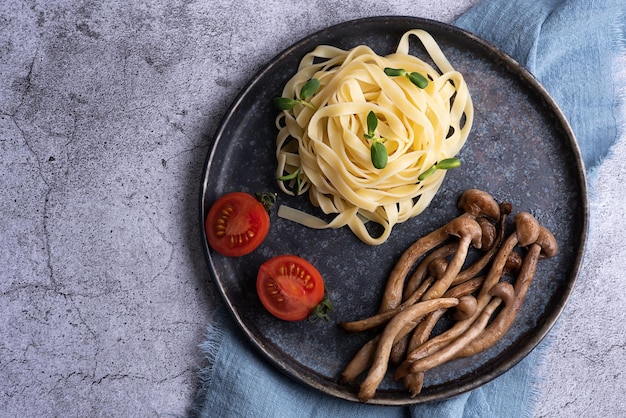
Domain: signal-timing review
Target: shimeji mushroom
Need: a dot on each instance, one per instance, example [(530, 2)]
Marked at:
[(466, 308), (420, 345), (545, 246), (526, 232), (467, 304), (464, 284), (469, 233), (362, 360), (474, 203), (422, 269), (449, 351), (439, 283), (490, 250), (502, 291)]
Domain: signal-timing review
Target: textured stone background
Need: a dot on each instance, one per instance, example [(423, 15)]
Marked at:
[(106, 110)]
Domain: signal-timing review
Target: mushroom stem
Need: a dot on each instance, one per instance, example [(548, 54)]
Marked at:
[(361, 361), (424, 267), (395, 283), (469, 232), (383, 317), (436, 269), (425, 327)]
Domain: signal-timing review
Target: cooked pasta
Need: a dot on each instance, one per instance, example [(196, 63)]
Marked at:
[(322, 148)]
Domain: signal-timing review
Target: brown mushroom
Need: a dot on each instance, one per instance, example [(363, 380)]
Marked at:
[(436, 269), (513, 264), (544, 246), (526, 232), (475, 202), (483, 261), (489, 233), (365, 356), (466, 308), (469, 233), (361, 361)]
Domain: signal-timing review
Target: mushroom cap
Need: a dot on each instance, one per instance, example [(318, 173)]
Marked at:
[(506, 208), (503, 290), (464, 226), (466, 308), (546, 240), (526, 228), (513, 263), (437, 267), (477, 202)]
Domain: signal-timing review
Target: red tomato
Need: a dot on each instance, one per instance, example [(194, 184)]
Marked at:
[(289, 287), (237, 223)]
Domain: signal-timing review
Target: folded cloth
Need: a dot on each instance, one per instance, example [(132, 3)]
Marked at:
[(571, 47)]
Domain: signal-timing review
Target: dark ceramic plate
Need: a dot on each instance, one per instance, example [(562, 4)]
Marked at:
[(521, 149)]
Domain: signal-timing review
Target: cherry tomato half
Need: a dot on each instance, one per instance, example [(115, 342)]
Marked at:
[(289, 287), (236, 224)]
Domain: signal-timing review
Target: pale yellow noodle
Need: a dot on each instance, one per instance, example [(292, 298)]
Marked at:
[(420, 127)]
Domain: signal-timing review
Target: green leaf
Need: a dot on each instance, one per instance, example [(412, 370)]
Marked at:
[(448, 163), (394, 72), (309, 89), (372, 124), (419, 80), (378, 153), (284, 103)]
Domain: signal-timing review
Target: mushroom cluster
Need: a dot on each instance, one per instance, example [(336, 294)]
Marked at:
[(435, 277)]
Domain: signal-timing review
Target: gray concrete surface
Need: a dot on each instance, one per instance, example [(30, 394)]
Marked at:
[(106, 109)]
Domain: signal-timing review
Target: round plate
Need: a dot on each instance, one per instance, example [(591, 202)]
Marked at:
[(521, 149)]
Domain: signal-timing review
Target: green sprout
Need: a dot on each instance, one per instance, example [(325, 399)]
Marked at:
[(415, 77), (445, 164), (293, 176), (307, 91), (378, 151)]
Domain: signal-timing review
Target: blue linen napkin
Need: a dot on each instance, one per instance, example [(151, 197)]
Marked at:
[(571, 47)]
